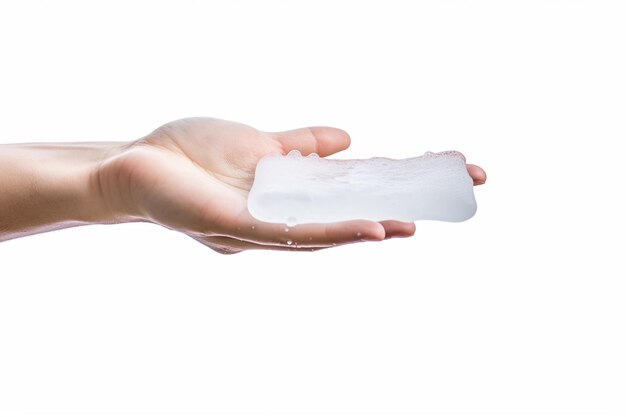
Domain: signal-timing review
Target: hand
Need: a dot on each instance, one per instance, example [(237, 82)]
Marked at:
[(193, 175)]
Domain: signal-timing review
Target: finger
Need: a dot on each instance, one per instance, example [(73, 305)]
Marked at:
[(328, 234), (477, 173), (394, 228), (321, 140), (323, 234)]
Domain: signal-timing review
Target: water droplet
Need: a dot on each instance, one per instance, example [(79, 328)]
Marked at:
[(310, 237), (313, 155), (359, 234), (293, 153), (291, 221), (334, 244), (289, 242), (253, 227), (286, 229)]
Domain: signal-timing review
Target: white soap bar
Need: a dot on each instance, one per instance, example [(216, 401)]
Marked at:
[(296, 189)]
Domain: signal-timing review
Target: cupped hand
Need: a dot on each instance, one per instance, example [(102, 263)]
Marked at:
[(194, 175)]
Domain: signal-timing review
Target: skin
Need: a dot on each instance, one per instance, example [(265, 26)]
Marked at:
[(191, 175)]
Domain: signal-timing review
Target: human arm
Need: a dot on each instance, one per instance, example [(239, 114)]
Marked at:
[(48, 186), (192, 175)]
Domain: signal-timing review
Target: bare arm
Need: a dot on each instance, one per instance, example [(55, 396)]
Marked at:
[(50, 186), (191, 175)]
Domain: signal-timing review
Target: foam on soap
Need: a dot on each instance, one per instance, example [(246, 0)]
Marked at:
[(296, 189)]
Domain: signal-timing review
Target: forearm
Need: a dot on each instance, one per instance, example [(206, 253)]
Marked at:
[(48, 186)]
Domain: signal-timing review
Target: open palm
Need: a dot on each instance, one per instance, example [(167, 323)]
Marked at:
[(194, 175)]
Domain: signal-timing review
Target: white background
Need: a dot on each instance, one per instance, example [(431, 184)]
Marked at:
[(520, 310)]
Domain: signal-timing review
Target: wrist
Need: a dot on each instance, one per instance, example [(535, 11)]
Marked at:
[(84, 184), (110, 184)]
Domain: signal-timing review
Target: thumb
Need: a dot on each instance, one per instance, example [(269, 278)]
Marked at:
[(322, 140)]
